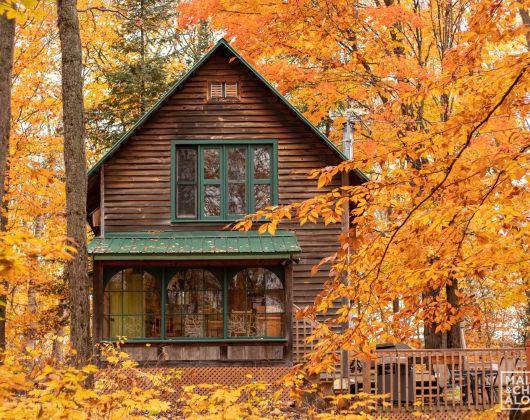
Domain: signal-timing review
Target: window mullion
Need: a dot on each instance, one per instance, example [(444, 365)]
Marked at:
[(200, 182), (274, 174), (224, 183), (225, 303), (250, 175)]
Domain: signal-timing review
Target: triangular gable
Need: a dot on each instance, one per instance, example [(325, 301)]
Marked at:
[(175, 87)]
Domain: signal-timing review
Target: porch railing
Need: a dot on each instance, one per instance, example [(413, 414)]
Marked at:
[(427, 380)]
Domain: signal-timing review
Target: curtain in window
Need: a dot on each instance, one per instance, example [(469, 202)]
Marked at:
[(132, 305)]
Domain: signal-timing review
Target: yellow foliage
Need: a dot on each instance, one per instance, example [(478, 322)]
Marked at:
[(31, 387)]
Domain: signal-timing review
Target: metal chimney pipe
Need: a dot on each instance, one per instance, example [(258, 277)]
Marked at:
[(348, 129)]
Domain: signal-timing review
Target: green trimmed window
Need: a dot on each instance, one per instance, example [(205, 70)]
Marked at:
[(132, 303), (222, 180), (194, 303)]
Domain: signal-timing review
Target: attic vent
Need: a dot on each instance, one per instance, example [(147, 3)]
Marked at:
[(231, 90), (219, 90), (216, 90)]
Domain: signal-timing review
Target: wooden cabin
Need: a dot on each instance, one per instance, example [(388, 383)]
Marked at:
[(221, 143)]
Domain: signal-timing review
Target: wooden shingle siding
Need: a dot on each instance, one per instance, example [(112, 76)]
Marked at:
[(137, 178)]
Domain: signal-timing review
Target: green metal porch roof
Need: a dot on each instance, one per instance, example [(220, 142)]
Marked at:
[(203, 245)]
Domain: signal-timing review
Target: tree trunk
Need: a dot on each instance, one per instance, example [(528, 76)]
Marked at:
[(7, 46), (76, 178), (454, 335), (433, 340)]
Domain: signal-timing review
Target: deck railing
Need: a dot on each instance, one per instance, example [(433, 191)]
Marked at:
[(426, 380), (436, 380)]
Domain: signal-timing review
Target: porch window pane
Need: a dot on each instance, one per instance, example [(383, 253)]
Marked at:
[(132, 326), (212, 200), (115, 282), (256, 304), (112, 326), (194, 304)]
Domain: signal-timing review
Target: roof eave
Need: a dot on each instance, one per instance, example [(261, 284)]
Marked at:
[(152, 110), (195, 257)]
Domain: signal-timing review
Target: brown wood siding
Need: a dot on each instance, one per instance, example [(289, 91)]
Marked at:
[(137, 178)]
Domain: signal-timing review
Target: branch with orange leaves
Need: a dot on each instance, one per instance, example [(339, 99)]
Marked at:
[(451, 165)]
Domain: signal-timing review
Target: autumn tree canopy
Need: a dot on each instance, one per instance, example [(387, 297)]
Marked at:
[(438, 92), (438, 95)]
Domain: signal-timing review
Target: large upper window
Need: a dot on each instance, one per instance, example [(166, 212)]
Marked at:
[(189, 303), (216, 180)]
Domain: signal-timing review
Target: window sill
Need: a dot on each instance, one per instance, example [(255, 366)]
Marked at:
[(178, 221), (223, 100), (198, 340)]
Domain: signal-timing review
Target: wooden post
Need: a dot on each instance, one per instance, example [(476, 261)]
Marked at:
[(97, 304), (527, 353), (288, 275), (367, 380), (345, 362)]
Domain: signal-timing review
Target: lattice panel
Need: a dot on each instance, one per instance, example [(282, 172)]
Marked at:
[(225, 376), (231, 376), (237, 376)]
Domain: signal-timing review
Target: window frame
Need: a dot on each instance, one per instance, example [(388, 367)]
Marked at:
[(165, 273), (223, 144)]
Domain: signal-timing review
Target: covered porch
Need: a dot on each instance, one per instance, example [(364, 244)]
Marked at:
[(192, 298)]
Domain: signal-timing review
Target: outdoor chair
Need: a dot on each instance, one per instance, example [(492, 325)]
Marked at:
[(489, 383)]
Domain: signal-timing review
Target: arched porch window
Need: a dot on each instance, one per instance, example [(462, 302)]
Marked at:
[(131, 304), (194, 304), (256, 304)]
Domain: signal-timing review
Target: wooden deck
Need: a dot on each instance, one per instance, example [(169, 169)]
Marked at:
[(432, 382), (435, 381)]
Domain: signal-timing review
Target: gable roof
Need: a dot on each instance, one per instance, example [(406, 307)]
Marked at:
[(179, 83)]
